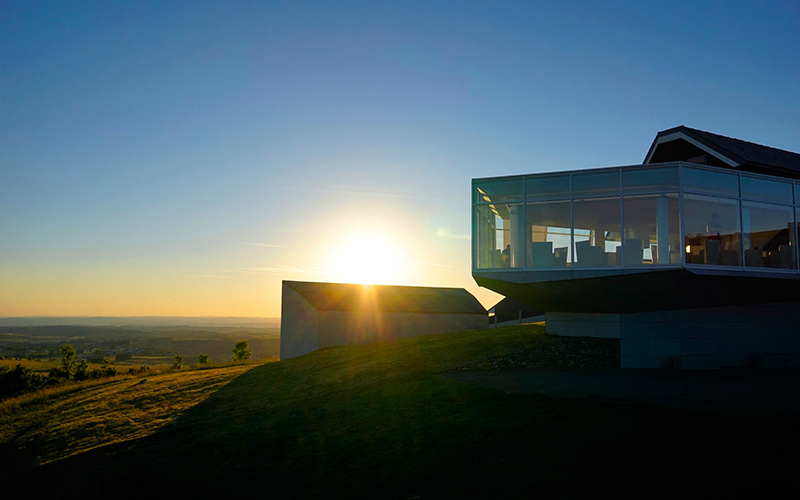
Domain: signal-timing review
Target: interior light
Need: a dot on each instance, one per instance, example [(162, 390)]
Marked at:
[(688, 248)]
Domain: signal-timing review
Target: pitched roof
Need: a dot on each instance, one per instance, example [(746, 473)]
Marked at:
[(742, 152), (352, 297)]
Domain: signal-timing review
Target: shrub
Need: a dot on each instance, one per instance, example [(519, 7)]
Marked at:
[(203, 359), (140, 370), (81, 372), (178, 362), (19, 380), (242, 351)]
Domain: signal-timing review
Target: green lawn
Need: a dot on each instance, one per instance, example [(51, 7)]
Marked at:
[(377, 421)]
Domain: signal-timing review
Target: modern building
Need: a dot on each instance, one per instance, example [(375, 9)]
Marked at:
[(317, 315), (689, 258)]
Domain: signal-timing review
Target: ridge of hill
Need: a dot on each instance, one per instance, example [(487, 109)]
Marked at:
[(379, 421)]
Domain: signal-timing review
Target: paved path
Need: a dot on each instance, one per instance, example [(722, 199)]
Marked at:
[(730, 390)]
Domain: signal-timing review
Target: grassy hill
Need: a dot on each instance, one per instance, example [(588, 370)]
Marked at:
[(378, 421)]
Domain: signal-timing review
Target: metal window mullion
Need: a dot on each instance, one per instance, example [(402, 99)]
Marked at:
[(524, 203), (621, 224), (682, 215), (794, 235), (571, 224), (474, 235), (741, 225)]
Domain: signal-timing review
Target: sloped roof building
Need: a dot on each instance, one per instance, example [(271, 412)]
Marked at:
[(317, 315)]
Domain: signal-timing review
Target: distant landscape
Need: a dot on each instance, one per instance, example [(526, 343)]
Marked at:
[(214, 321), (134, 340)]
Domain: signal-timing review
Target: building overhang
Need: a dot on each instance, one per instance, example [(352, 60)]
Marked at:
[(626, 291)]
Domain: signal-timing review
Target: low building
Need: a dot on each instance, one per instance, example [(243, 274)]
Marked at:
[(317, 315), (689, 258)]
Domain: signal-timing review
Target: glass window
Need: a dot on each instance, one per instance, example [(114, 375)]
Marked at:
[(797, 194), (652, 230), (754, 188), (501, 191), (706, 181), (597, 232), (547, 187), (548, 226), (499, 236), (649, 180), (768, 235), (596, 184), (712, 230)]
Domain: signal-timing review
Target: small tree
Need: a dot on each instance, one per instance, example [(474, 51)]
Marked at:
[(242, 351), (68, 363), (178, 362), (203, 359)]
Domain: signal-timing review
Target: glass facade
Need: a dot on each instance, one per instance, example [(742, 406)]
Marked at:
[(652, 229), (597, 231), (712, 230), (674, 214), (548, 226)]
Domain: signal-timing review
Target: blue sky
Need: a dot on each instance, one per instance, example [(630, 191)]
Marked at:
[(144, 148)]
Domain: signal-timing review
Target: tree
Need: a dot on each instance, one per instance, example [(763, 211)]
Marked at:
[(242, 351), (68, 363), (178, 362), (203, 359), (123, 356)]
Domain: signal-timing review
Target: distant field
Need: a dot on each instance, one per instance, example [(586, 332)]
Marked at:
[(378, 421), (43, 341)]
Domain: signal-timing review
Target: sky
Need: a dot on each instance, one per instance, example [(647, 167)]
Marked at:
[(183, 158)]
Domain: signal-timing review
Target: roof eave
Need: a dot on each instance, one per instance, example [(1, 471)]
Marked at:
[(688, 134)]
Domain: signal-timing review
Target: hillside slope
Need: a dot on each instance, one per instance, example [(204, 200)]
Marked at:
[(377, 421)]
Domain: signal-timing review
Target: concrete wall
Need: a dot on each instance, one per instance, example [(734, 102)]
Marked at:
[(362, 327), (583, 325), (732, 336), (299, 322), (708, 337)]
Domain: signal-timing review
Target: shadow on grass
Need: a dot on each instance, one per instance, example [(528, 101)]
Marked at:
[(377, 421)]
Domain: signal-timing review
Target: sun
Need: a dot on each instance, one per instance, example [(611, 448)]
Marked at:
[(367, 258)]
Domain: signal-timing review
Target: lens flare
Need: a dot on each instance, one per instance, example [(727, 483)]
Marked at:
[(367, 258)]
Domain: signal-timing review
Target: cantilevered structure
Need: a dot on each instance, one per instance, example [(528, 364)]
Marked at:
[(689, 258), (317, 315)]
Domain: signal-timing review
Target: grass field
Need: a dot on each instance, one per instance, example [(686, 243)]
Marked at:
[(377, 421)]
